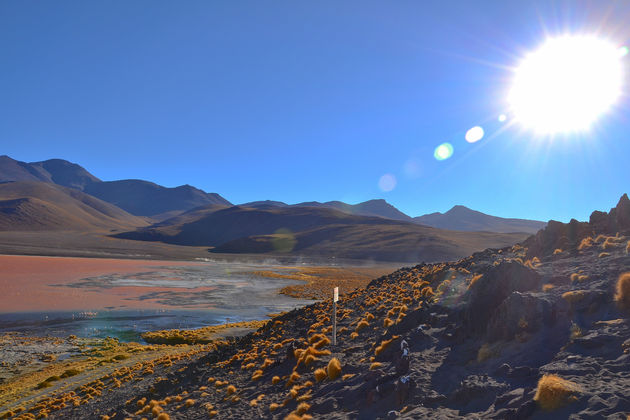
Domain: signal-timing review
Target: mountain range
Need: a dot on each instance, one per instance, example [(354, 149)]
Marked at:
[(57, 195)]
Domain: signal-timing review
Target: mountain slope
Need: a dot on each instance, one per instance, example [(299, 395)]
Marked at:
[(138, 197), (464, 219), (39, 206), (148, 199), (315, 231), (377, 208)]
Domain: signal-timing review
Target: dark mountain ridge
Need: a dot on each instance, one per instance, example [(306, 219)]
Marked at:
[(138, 197), (465, 219)]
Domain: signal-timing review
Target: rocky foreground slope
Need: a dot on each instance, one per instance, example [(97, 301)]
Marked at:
[(537, 330)]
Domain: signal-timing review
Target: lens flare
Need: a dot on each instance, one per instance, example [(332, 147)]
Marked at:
[(443, 151), (502, 118), (623, 51), (474, 134), (283, 240), (566, 84), (387, 182), (412, 168)]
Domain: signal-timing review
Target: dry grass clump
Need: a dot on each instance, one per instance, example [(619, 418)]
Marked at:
[(320, 374), (257, 375), (578, 278), (628, 248), (586, 243), (485, 352), (547, 287), (474, 280), (553, 392), (557, 251), (622, 291), (603, 254), (611, 242), (362, 324), (376, 365), (334, 368), (163, 416), (230, 390), (574, 296), (383, 346)]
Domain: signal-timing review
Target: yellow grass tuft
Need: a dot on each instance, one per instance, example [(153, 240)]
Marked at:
[(557, 251), (585, 243), (362, 324), (320, 374), (334, 368), (275, 380), (163, 416), (302, 408), (474, 280), (553, 392), (603, 254), (628, 248), (622, 291), (574, 296), (189, 402), (547, 287), (383, 346), (273, 406), (376, 365)]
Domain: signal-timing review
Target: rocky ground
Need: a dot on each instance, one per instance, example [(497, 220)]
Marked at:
[(536, 330)]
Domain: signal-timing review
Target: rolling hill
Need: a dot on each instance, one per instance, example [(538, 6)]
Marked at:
[(43, 206), (464, 219), (316, 231)]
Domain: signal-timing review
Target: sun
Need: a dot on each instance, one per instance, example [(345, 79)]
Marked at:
[(566, 84)]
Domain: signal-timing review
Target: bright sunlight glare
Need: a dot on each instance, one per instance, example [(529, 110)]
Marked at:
[(566, 84)]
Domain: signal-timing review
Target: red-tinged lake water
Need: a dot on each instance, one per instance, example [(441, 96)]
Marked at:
[(122, 298)]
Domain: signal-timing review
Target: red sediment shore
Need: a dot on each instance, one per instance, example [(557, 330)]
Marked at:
[(29, 283)]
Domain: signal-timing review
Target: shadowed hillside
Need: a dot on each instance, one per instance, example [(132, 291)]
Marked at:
[(463, 218), (378, 208), (315, 231)]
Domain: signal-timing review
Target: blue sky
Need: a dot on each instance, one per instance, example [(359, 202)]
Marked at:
[(301, 101)]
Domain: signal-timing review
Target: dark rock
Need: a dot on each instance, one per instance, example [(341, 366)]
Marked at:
[(522, 312), (492, 289)]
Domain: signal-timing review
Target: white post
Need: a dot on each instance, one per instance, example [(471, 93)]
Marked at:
[(334, 316)]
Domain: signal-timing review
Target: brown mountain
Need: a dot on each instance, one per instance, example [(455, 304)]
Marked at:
[(464, 219), (316, 231), (138, 197), (44, 206), (378, 208)]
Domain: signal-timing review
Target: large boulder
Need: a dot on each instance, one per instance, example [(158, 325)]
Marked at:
[(487, 293), (525, 313)]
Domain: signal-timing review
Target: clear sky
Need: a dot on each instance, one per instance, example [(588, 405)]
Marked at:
[(311, 100)]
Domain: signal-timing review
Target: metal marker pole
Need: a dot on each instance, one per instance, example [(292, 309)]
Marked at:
[(334, 316)]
